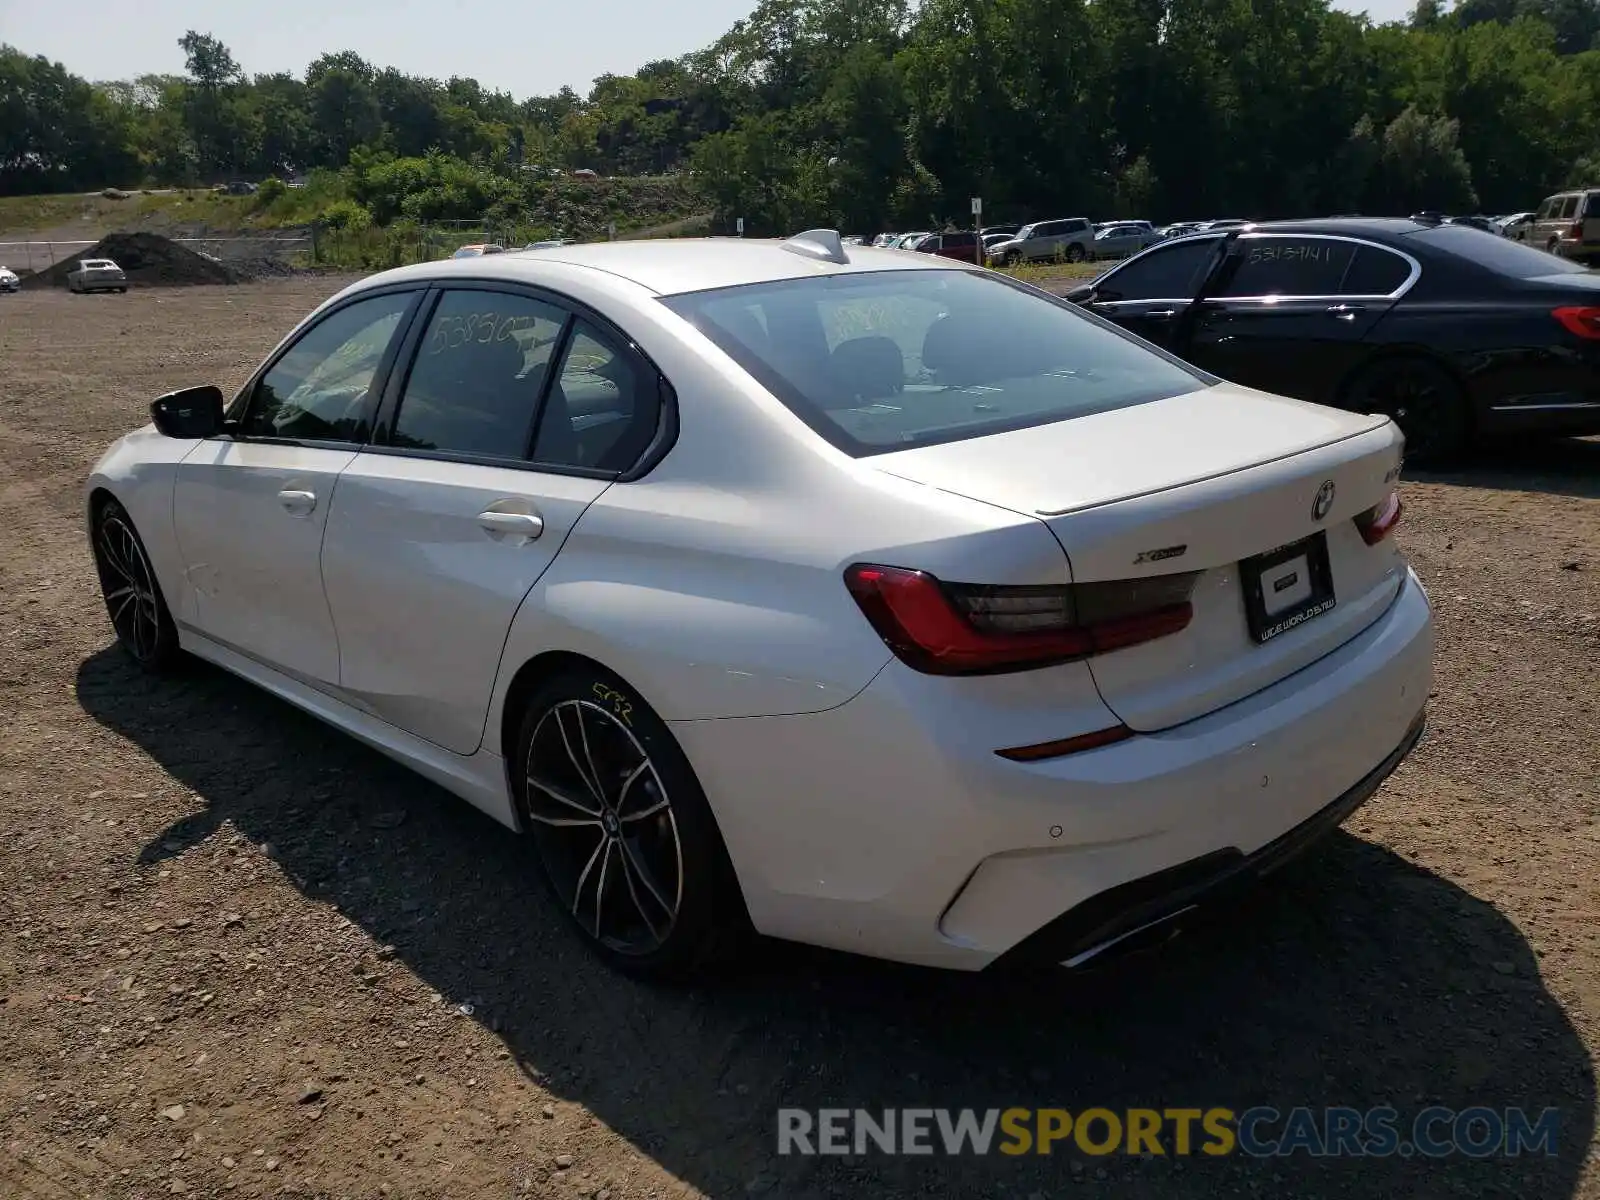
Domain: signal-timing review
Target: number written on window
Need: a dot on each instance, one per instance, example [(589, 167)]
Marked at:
[(475, 385)]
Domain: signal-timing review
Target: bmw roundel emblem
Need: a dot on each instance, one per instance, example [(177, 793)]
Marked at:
[(1324, 500)]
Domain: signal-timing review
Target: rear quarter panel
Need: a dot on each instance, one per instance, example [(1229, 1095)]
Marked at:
[(1504, 350)]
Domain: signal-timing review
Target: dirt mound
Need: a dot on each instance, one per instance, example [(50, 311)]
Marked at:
[(265, 267), (148, 259)]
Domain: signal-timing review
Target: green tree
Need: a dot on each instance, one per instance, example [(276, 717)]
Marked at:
[(216, 125), (1422, 165)]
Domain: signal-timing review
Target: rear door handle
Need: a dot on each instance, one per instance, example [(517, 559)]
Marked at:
[(1346, 312), (299, 502), (1161, 314), (521, 527)]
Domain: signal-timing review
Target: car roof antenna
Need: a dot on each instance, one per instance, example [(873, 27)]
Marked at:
[(823, 244)]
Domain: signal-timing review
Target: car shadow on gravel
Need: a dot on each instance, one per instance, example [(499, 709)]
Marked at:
[(1554, 466), (1353, 978)]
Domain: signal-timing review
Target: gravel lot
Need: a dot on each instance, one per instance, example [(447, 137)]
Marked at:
[(242, 955)]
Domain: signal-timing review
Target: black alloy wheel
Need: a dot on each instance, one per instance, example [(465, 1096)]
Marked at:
[(138, 611), (629, 847), (1419, 396)]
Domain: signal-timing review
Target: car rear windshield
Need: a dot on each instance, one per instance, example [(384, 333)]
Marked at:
[(890, 360), (1500, 255)]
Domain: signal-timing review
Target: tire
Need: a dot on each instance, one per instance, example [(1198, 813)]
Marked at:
[(138, 611), (1012, 259), (1553, 246), (1076, 253), (1422, 398), (629, 846), (122, 291)]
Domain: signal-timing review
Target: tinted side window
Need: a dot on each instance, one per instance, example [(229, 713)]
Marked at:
[(1569, 206), (1049, 228), (1545, 209), (1167, 273), (603, 408), (1374, 272), (958, 241), (318, 390), (1290, 266), (479, 371)]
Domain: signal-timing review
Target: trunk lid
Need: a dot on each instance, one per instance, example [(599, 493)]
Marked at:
[(1202, 483)]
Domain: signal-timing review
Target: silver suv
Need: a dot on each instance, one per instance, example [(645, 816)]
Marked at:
[(1567, 224), (1071, 238)]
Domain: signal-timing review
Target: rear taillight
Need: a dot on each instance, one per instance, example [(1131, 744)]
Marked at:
[(1378, 522), (974, 629), (1576, 232), (1583, 321)]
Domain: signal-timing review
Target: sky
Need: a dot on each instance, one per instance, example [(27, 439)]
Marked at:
[(526, 47)]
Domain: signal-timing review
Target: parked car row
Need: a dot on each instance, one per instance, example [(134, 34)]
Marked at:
[(1069, 239), (1566, 224)]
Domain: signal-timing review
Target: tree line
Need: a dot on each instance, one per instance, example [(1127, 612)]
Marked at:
[(868, 115)]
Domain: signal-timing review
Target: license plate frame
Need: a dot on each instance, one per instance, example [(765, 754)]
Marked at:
[(1263, 621)]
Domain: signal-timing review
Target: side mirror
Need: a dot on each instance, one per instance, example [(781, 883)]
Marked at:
[(194, 412), (1082, 294)]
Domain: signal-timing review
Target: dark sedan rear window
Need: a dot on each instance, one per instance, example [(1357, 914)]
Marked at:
[(1498, 254), (889, 360)]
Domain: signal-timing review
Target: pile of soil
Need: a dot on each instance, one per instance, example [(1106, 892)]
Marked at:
[(264, 267), (148, 259)]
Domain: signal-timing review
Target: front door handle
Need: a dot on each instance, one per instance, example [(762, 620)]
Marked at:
[(1162, 314), (1345, 312), (522, 527), (299, 502)]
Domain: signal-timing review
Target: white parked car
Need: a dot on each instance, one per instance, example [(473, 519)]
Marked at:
[(872, 600), (9, 282), (97, 275), (1516, 225), (1071, 238)]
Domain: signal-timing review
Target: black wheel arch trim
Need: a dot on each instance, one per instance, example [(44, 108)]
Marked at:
[(1404, 351)]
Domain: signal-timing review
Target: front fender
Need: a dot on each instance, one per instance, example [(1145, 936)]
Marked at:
[(138, 471)]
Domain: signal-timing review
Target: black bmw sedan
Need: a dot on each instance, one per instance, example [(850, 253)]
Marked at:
[(1456, 334)]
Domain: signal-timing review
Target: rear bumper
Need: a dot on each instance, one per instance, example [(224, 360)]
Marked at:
[(888, 826), (1116, 919)]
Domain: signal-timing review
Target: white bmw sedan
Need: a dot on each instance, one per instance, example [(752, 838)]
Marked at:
[(864, 599)]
